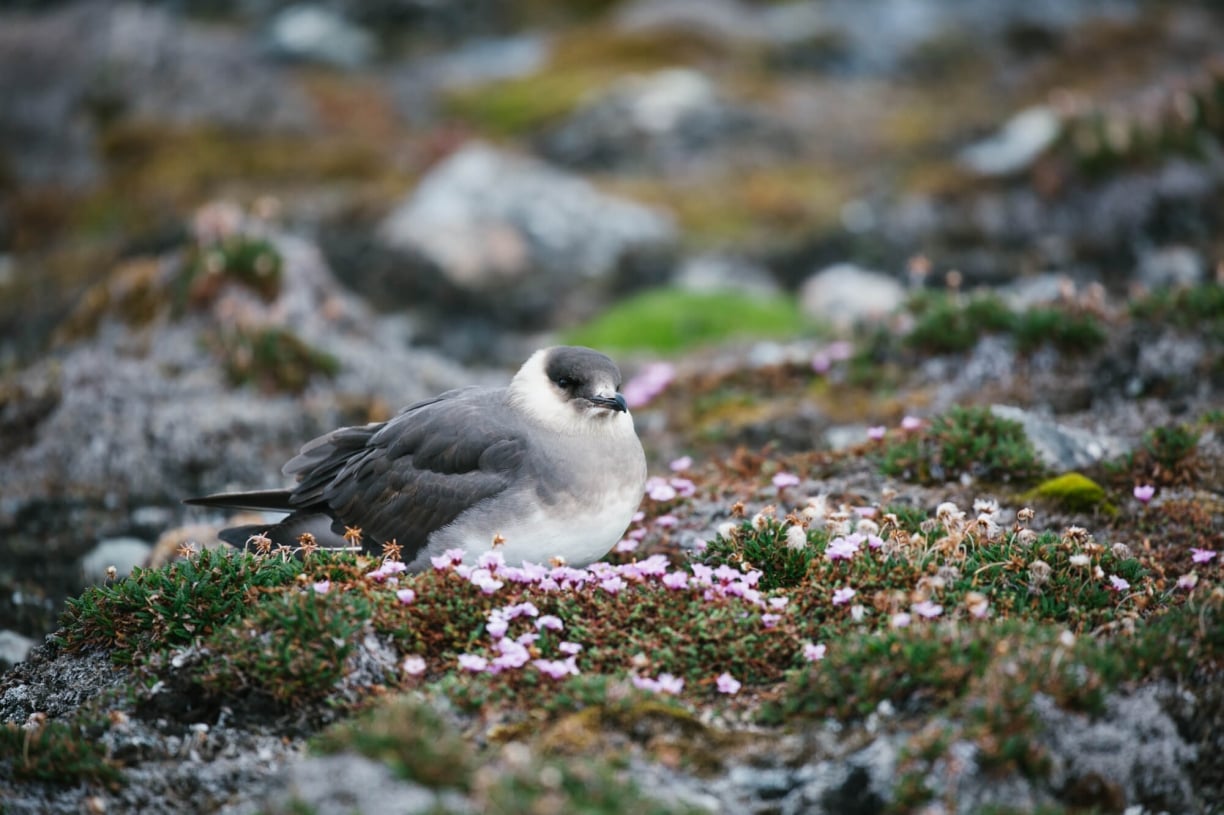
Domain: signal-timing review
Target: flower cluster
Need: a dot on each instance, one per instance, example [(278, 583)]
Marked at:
[(651, 381)]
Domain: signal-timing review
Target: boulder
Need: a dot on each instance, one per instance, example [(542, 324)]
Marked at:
[(517, 241), (845, 294)]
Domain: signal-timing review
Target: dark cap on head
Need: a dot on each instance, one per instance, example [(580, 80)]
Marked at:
[(575, 368)]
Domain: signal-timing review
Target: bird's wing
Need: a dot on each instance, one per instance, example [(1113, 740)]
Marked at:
[(405, 478)]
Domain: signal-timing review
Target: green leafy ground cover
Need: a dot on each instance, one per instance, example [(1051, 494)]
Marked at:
[(793, 614)]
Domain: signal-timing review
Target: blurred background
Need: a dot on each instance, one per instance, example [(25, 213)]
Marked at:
[(227, 226)]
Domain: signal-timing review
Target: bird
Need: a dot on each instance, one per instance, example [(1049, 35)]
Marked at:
[(548, 469)]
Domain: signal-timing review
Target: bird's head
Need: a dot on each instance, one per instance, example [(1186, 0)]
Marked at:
[(570, 389)]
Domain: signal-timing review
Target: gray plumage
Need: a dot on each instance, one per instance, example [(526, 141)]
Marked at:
[(550, 463)]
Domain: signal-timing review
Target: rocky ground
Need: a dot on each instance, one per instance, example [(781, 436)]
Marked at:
[(882, 277)]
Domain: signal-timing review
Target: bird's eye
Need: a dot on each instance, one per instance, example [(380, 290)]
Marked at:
[(564, 383)]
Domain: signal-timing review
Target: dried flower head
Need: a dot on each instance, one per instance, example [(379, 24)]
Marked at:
[(261, 543)]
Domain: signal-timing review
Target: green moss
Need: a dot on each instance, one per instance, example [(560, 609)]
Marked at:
[(290, 647), (168, 607), (984, 676), (58, 752), (250, 261), (964, 441), (409, 736), (1073, 491), (666, 321), (1196, 308), (272, 358), (951, 324), (766, 549)]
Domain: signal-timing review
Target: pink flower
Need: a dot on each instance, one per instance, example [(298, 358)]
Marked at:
[(821, 362), (770, 620), (899, 620), (675, 580), (567, 647), (778, 603), (1144, 492), (1117, 583), (911, 423), (451, 557), (652, 380), (876, 433), (1202, 555), (322, 587), (491, 560), (513, 654), (840, 350), (681, 464), (666, 683), (551, 622), (841, 548), (473, 663), (813, 652), (927, 609), (612, 585), (1187, 581), (557, 668), (784, 480), (843, 596), (666, 521), (405, 596), (626, 545), (683, 487), (659, 490), (728, 684), (413, 665), (524, 609)]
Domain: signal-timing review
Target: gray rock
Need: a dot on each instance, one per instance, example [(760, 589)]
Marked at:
[(669, 121), (313, 33), (1135, 746), (519, 236), (62, 69), (1016, 146), (174, 426), (1060, 447), (124, 554), (1171, 266), (846, 294), (842, 436), (715, 272), (13, 648), (345, 783)]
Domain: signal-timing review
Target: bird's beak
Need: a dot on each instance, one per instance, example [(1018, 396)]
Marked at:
[(616, 402)]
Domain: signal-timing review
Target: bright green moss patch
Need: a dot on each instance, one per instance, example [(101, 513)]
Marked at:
[(1072, 491), (670, 320), (963, 442)]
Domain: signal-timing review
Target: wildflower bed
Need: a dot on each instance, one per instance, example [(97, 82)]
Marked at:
[(818, 613)]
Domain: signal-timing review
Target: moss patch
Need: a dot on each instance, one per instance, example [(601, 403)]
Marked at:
[(667, 321), (1073, 491)]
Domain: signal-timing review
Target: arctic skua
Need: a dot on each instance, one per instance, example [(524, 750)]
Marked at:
[(550, 467)]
